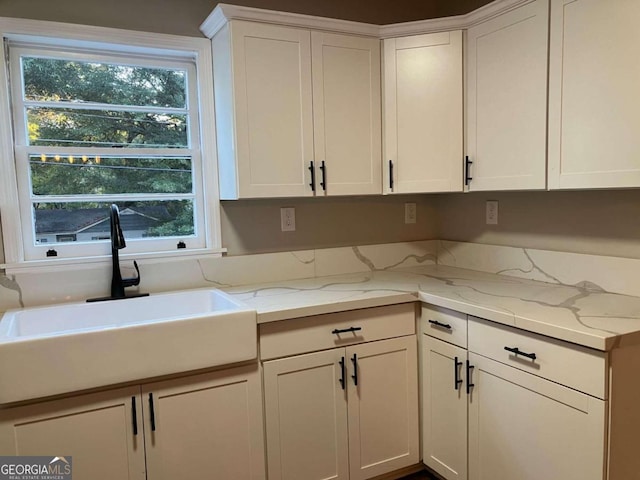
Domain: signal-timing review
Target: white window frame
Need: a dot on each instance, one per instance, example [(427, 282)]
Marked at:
[(107, 44)]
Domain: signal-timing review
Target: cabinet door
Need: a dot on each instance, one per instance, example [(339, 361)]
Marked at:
[(347, 115), (383, 407), (423, 113), (95, 430), (206, 426), (306, 417), (444, 408), (525, 427), (593, 94), (507, 100), (274, 124)]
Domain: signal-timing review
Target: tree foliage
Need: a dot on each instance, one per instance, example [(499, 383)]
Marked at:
[(84, 104)]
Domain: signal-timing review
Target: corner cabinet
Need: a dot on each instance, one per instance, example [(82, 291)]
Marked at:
[(507, 100), (593, 94), (182, 428), (297, 112), (501, 403), (423, 113), (350, 410)]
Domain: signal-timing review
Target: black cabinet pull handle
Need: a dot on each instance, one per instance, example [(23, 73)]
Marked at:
[(152, 412), (517, 352), (441, 325), (467, 170), (134, 416), (313, 177), (354, 359), (343, 369), (469, 384), (346, 330), (457, 379), (390, 174), (323, 183)]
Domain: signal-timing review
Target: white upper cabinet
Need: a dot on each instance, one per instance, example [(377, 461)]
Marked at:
[(593, 94), (423, 113), (262, 77), (282, 132), (507, 100), (347, 114)]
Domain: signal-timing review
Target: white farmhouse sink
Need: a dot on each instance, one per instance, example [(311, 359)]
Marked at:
[(65, 348)]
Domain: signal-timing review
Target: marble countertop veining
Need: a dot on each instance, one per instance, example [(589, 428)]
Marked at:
[(581, 314)]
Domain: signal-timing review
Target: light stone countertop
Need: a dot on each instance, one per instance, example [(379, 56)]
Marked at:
[(583, 314)]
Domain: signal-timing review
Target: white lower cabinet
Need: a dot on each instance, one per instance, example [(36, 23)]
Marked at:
[(383, 407), (515, 405), (524, 427), (205, 427), (102, 432), (444, 408), (306, 417), (347, 412), (199, 427)]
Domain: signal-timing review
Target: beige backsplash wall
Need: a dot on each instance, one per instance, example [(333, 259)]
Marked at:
[(253, 226), (597, 222)]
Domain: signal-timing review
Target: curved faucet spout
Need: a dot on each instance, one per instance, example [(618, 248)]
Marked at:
[(117, 236)]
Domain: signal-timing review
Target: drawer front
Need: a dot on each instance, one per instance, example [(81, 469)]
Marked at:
[(572, 365), (445, 324), (321, 332)]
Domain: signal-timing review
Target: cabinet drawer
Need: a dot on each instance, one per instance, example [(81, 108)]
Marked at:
[(445, 324), (320, 332), (572, 365)]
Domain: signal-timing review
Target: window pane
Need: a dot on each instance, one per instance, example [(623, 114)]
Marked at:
[(91, 175), (54, 80), (101, 128), (89, 222)]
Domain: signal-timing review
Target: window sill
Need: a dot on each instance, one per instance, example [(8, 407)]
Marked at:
[(66, 264)]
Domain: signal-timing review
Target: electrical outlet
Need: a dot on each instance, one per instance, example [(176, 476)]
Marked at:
[(410, 213), (492, 212), (288, 219)]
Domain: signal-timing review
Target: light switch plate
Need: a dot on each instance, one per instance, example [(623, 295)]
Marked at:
[(492, 212), (288, 219)]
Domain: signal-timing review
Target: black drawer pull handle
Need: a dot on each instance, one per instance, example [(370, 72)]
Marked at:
[(313, 177), (346, 330), (354, 359), (517, 352), (458, 380), (441, 325), (152, 412), (134, 416), (469, 384), (343, 368), (390, 174)]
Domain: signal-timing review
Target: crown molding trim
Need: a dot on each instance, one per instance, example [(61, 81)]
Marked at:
[(225, 12), (459, 22)]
